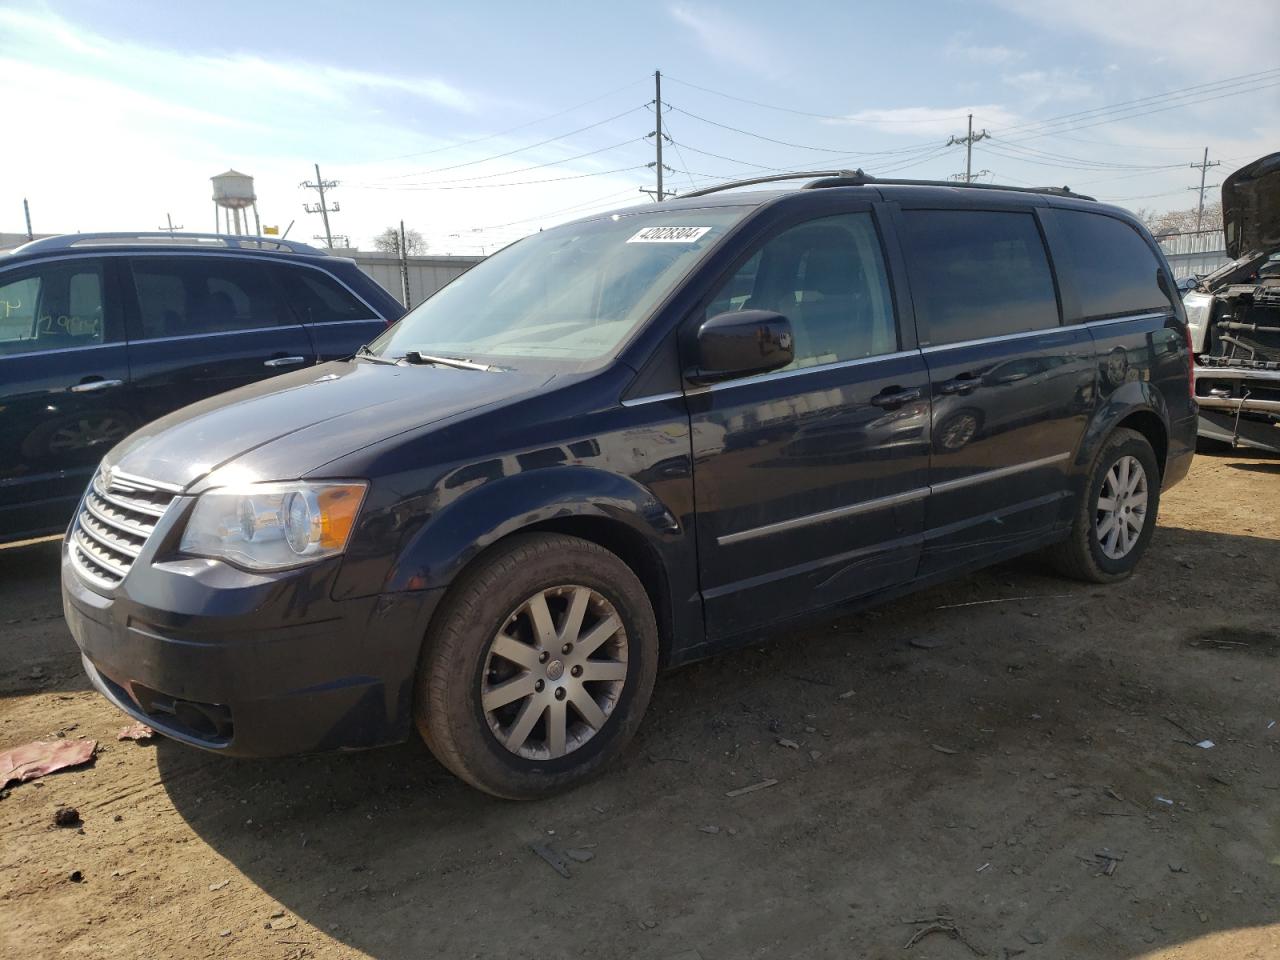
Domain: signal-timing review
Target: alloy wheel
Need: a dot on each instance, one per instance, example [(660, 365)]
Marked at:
[(554, 672), (1121, 510)]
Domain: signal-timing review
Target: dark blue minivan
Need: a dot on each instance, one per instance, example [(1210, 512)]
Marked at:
[(622, 444), (102, 333)]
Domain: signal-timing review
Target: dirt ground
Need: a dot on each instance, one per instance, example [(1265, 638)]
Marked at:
[(1003, 766)]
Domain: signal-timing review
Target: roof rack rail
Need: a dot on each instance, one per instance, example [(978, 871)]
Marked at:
[(67, 241), (857, 178), (776, 178)]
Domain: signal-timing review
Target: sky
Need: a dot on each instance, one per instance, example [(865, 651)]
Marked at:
[(477, 123)]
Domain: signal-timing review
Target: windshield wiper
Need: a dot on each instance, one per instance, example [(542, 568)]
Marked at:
[(417, 356), (368, 354)]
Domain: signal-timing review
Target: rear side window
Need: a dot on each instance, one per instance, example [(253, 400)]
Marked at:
[(1115, 271), (978, 273), (52, 307), (190, 296), (317, 297)]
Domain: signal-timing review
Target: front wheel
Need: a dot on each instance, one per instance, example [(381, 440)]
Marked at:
[(1117, 516), (539, 666)]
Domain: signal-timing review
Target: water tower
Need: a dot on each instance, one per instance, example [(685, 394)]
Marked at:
[(232, 193)]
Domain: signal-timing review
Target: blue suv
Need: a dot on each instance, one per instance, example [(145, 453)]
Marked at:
[(103, 333)]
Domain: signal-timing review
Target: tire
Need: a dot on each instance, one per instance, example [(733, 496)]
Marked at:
[(491, 630), (1090, 551)]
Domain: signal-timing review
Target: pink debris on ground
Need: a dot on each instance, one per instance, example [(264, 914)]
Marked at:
[(136, 731), (32, 760)]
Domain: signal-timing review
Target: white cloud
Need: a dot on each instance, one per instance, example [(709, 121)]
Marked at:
[(1205, 40), (924, 121), (1039, 87), (48, 39), (130, 132), (727, 39), (962, 47)]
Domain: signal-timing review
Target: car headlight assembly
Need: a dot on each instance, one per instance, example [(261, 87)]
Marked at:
[(273, 526)]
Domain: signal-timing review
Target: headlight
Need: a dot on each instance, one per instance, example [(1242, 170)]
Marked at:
[(271, 526), (1199, 308)]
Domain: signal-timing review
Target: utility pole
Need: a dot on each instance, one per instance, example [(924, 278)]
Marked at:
[(1203, 166), (968, 142), (26, 210), (171, 228), (321, 185), (404, 267), (658, 136)]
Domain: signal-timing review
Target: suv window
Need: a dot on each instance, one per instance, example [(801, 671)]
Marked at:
[(52, 307), (188, 296), (978, 273), (1117, 271), (317, 297), (828, 278)]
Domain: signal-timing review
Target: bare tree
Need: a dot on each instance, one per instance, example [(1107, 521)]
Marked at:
[(388, 241), (1182, 221)]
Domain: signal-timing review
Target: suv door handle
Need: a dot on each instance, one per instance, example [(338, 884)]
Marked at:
[(283, 361), (891, 398), (962, 385), (93, 385)]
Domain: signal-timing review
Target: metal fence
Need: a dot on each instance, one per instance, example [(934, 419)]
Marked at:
[(1194, 253), (426, 274)]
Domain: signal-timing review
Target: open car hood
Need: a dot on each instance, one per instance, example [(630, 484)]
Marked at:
[(1251, 208)]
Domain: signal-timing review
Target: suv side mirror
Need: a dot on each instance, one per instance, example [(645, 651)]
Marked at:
[(741, 343)]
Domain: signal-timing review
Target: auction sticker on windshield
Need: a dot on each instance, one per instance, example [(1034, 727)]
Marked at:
[(669, 235)]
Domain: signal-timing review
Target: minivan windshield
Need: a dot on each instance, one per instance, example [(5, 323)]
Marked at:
[(573, 292)]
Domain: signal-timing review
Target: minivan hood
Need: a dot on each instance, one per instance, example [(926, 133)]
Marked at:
[(1251, 208), (308, 418)]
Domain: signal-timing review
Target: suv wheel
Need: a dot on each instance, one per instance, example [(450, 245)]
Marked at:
[(538, 667), (1115, 520)]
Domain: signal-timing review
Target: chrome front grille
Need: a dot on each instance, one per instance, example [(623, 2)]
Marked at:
[(119, 513)]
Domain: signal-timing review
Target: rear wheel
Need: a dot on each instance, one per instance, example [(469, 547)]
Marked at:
[(1116, 518), (539, 666)]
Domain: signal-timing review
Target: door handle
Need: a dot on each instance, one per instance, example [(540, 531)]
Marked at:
[(961, 385), (283, 361), (892, 397), (94, 385)]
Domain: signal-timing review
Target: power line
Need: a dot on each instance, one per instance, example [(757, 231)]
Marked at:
[(799, 146), (675, 145), (508, 153), (806, 113), (492, 186), (503, 133), (1083, 162), (551, 213), (929, 148), (1002, 149), (1099, 118), (536, 166), (1181, 91)]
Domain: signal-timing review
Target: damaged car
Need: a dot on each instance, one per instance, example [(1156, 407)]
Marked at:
[(1234, 316)]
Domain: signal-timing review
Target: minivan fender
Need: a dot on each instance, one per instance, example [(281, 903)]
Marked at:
[(1137, 401), (468, 525)]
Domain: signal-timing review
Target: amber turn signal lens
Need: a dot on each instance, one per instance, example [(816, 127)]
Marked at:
[(339, 506)]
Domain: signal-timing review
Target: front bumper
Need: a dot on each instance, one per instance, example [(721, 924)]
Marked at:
[(251, 665), (1240, 406)]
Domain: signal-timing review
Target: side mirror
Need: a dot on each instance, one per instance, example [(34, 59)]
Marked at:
[(742, 343)]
